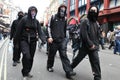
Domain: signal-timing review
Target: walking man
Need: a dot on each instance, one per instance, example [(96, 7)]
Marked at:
[(57, 41), (90, 34), (26, 34), (16, 50)]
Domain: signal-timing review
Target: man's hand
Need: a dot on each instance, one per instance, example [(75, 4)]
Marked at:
[(50, 40), (93, 47)]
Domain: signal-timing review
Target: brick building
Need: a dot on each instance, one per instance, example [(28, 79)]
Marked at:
[(109, 15)]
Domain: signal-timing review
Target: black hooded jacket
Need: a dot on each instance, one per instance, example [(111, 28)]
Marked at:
[(90, 31), (28, 28), (57, 27), (14, 26)]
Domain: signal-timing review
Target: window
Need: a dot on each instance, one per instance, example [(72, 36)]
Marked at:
[(83, 2), (112, 4), (118, 3), (80, 3), (72, 5), (102, 6)]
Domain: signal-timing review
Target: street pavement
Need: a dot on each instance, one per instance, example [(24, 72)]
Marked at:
[(110, 66)]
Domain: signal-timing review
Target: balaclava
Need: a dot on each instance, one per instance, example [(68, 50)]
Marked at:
[(93, 14), (62, 11), (20, 15)]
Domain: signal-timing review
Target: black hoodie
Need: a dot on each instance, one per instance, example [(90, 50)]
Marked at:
[(57, 27), (28, 28), (90, 32), (14, 25)]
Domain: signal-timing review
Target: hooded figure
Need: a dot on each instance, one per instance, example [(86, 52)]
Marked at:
[(16, 51), (57, 41), (93, 14), (90, 35), (20, 15), (27, 35), (62, 11)]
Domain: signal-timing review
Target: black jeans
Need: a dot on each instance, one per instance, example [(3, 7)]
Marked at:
[(61, 47), (28, 50), (16, 51), (94, 61)]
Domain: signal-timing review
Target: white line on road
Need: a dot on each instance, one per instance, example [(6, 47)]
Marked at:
[(1, 65), (4, 63)]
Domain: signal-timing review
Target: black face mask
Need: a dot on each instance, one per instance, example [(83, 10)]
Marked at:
[(20, 16), (92, 15), (62, 12)]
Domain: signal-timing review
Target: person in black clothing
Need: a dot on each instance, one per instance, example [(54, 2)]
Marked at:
[(26, 33), (16, 51), (90, 35), (57, 41)]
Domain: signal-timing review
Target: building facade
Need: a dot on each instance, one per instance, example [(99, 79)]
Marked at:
[(108, 15), (52, 9)]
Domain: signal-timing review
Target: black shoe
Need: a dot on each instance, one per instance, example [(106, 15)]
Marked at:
[(50, 69), (29, 76), (14, 63), (69, 77), (70, 74)]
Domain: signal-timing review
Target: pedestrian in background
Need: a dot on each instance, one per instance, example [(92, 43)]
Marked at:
[(16, 50), (90, 34), (117, 40)]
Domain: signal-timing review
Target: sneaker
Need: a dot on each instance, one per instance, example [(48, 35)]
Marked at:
[(50, 69), (25, 78), (29, 76), (14, 63)]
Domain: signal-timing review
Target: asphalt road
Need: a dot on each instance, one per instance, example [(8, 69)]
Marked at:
[(110, 66)]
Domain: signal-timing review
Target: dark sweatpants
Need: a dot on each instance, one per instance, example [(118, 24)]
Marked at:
[(61, 47), (94, 60), (16, 51), (28, 50)]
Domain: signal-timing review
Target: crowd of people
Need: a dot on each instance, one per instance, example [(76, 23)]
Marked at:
[(86, 35)]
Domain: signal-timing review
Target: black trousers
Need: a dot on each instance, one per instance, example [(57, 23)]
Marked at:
[(94, 61), (16, 51), (28, 50), (61, 47)]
